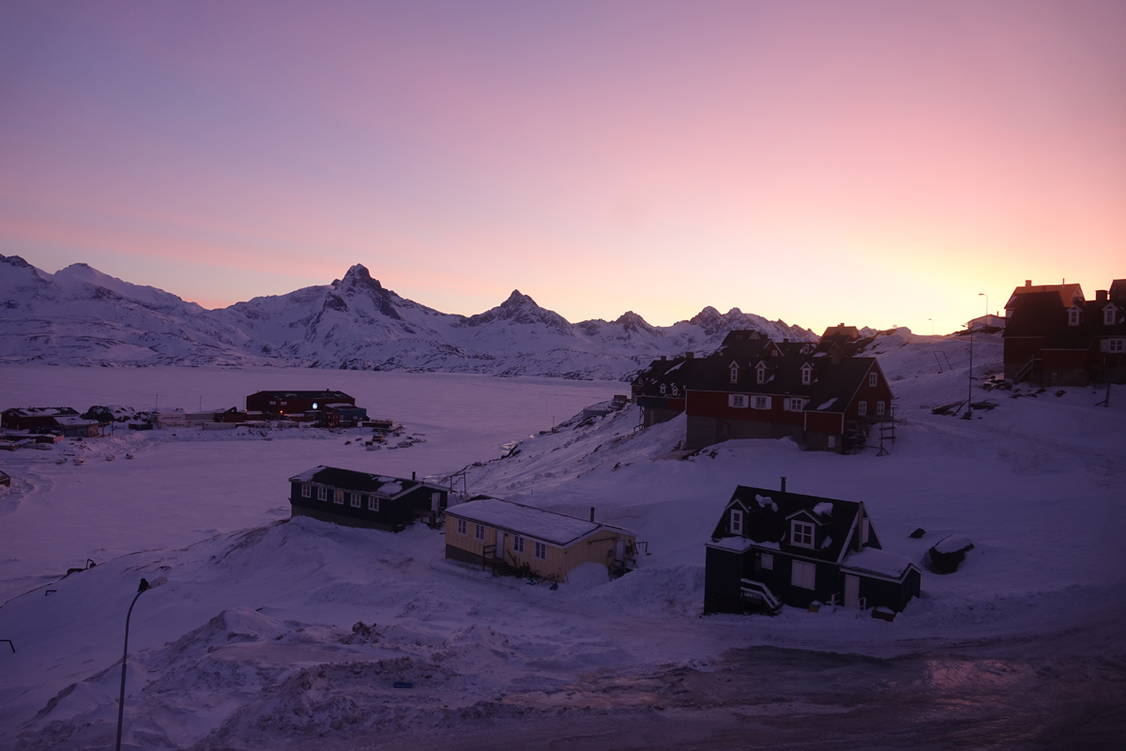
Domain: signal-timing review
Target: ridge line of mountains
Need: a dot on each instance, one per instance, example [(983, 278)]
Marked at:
[(80, 316)]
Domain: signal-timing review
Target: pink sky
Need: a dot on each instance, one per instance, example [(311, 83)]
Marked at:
[(872, 162)]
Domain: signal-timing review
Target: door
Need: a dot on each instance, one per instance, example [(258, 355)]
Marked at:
[(852, 591)]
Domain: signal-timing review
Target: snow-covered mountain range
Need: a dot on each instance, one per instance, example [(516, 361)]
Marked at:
[(80, 316)]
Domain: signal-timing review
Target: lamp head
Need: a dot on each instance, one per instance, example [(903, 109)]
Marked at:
[(144, 586)]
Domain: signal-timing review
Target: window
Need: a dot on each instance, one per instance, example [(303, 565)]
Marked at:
[(541, 551), (1073, 316), (873, 379), (832, 442), (880, 408), (762, 402), (306, 490), (675, 390), (739, 401), (322, 493), (664, 388), (338, 496), (461, 526), (356, 499), (1116, 345), (806, 374), (803, 575), (766, 561), (1108, 315), (736, 523), (518, 543), (479, 531), (733, 373), (801, 534), (373, 505), (760, 373), (795, 404), (862, 408)]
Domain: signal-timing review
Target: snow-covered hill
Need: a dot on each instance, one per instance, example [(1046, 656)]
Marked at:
[(80, 316)]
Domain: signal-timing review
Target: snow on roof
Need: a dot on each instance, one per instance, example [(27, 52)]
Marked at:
[(765, 501), (878, 562), (826, 404), (73, 420), (734, 544), (352, 480), (823, 509), (953, 544), (526, 520)]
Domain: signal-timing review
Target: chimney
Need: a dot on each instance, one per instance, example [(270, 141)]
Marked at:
[(1027, 282), (412, 477), (592, 513), (783, 483), (1100, 295)]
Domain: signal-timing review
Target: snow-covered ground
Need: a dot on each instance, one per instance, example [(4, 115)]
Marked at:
[(264, 633)]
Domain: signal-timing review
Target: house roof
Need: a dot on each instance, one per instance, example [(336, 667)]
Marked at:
[(767, 518), (538, 523), (349, 479), (327, 395), (832, 388), (880, 562), (40, 411), (1066, 293)]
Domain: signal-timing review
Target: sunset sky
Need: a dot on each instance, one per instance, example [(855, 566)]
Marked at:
[(878, 163)]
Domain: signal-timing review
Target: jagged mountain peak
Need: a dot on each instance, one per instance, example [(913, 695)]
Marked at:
[(631, 321), (522, 309), (16, 261), (358, 275)]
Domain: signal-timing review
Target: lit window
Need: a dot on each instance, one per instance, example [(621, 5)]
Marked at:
[(862, 408), (322, 493), (873, 379), (356, 499), (739, 401), (373, 504), (541, 551), (1073, 316), (518, 543), (766, 561), (338, 496), (306, 490), (806, 374), (736, 525), (762, 402), (479, 532), (803, 574), (461, 526), (801, 534)]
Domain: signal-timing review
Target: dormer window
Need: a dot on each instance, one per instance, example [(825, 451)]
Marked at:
[(1108, 315), (675, 390), (664, 388), (801, 534), (1073, 316), (760, 373), (806, 374), (873, 379), (733, 373), (736, 522)]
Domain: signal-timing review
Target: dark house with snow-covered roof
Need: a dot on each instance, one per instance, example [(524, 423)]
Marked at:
[(61, 420), (361, 499), (772, 547)]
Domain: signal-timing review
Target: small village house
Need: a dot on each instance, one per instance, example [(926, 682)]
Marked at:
[(62, 420), (1054, 336), (362, 499), (282, 403), (771, 547), (515, 537)]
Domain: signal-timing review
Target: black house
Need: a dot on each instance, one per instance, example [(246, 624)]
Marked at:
[(772, 548), (360, 499)]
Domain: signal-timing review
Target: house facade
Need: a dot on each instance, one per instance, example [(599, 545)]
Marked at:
[(512, 536), (361, 499), (1054, 336), (772, 548), (62, 420), (282, 403)]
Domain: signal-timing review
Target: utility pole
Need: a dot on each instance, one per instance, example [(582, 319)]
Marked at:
[(141, 589)]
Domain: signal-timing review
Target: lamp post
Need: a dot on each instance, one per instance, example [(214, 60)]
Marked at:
[(143, 587), (986, 296)]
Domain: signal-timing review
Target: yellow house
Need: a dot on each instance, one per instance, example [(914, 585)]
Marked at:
[(503, 534)]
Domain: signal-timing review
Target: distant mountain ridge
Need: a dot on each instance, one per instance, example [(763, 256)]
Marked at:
[(80, 316)]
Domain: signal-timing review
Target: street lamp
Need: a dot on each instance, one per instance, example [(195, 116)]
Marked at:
[(982, 294), (143, 587)]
